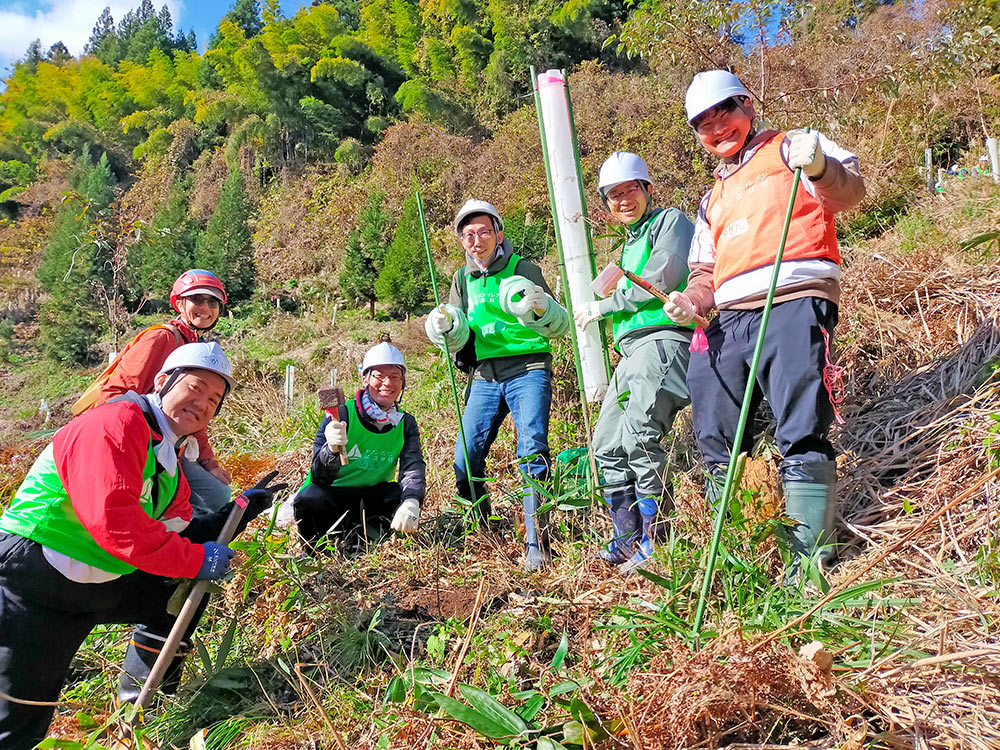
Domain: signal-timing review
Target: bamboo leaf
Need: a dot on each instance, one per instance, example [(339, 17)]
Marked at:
[(490, 707), (470, 717), (225, 645), (561, 651), (531, 707)]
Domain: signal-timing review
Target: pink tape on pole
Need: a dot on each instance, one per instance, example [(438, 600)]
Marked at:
[(699, 342), (241, 500)]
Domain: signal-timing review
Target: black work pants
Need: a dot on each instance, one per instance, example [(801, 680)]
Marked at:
[(44, 619), (350, 511), (789, 375)]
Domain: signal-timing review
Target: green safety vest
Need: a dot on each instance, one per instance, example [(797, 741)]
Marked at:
[(498, 334), (43, 512), (635, 256), (373, 456)]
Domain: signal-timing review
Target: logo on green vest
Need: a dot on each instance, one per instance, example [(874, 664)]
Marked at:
[(354, 452)]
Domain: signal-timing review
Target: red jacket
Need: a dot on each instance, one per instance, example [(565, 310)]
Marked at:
[(138, 368), (99, 457)]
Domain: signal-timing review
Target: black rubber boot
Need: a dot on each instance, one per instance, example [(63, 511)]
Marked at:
[(534, 555), (625, 524), (143, 650)]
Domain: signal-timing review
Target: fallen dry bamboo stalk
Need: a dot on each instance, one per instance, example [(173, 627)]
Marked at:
[(468, 637), (338, 740), (941, 659), (902, 541)]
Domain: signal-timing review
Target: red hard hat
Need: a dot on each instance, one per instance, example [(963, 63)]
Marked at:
[(197, 281)]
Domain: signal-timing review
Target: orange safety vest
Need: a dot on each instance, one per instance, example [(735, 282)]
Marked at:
[(746, 211), (93, 393)]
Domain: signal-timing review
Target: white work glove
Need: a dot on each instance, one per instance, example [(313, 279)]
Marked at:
[(679, 308), (191, 449), (534, 300), (586, 314), (336, 435), (537, 300), (440, 321), (804, 151), (407, 516)]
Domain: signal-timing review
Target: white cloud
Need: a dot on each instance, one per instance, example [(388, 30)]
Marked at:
[(68, 21)]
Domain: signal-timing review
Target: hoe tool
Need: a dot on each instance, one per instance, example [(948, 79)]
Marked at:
[(330, 400), (607, 279), (190, 607)]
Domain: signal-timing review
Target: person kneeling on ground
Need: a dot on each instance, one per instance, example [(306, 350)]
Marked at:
[(99, 529), (375, 436), (649, 385), (736, 238), (502, 310)]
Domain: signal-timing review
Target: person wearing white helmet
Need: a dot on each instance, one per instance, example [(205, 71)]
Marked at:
[(98, 531), (649, 385), (499, 320), (382, 485), (737, 234)]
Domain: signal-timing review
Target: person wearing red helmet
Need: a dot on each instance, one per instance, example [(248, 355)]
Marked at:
[(197, 296)]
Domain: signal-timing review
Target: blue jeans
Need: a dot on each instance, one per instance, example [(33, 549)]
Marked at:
[(208, 494), (527, 398)]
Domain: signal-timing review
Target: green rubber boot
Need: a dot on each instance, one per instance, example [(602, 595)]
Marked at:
[(810, 490)]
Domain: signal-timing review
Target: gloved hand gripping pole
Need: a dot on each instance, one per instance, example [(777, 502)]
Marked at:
[(731, 483), (447, 351), (188, 610)]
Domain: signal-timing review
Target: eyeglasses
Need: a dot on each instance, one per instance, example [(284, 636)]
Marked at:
[(470, 237), (615, 197), (204, 299)]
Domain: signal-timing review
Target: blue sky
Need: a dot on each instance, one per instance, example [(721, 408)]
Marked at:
[(71, 21)]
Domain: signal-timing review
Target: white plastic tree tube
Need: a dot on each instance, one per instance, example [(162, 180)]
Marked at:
[(569, 212)]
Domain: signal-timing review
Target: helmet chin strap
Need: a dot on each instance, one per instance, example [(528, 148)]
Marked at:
[(176, 375)]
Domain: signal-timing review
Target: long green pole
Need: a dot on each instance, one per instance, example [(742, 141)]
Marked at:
[(565, 283), (730, 486), (447, 353)]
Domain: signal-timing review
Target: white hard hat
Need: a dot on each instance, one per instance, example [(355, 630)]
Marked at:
[(201, 355), (621, 166), (382, 353), (472, 207), (710, 88)]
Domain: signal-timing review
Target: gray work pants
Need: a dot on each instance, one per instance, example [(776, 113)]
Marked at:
[(647, 390)]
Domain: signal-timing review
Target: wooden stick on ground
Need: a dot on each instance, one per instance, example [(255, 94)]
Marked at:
[(338, 740), (468, 637)]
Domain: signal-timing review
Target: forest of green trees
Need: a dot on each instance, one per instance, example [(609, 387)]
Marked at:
[(173, 157)]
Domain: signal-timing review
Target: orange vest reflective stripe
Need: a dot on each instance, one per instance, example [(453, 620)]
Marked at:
[(746, 211)]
